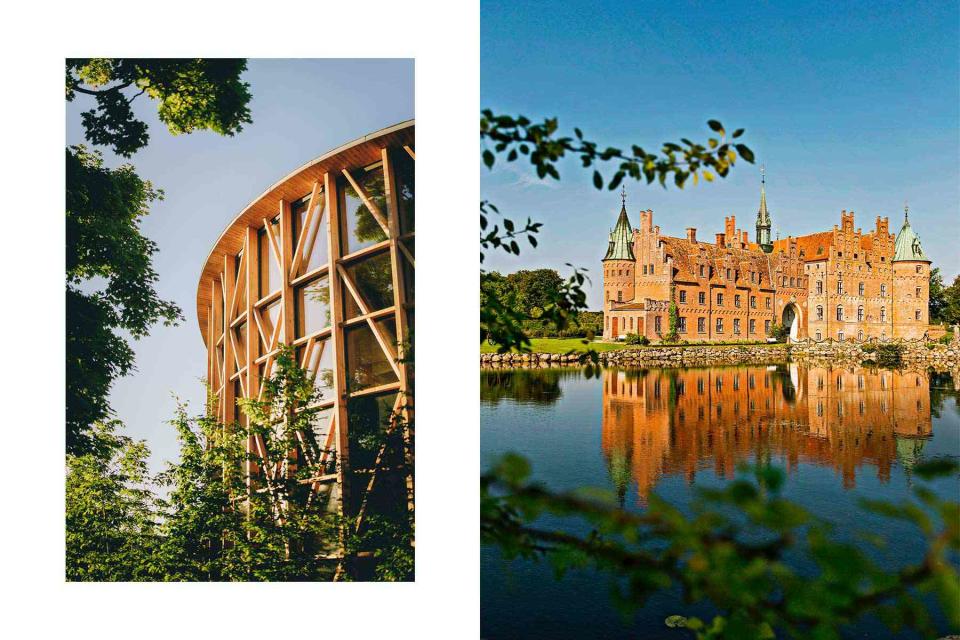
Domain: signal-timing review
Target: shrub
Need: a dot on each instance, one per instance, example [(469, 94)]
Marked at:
[(632, 338), (946, 338)]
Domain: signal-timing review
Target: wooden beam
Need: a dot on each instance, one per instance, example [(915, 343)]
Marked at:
[(314, 233), (228, 279), (268, 226), (286, 253), (333, 197), (368, 203), (407, 148)]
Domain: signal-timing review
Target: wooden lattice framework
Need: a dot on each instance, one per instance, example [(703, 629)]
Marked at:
[(322, 261)]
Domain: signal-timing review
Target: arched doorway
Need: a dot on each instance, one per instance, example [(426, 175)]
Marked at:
[(791, 320)]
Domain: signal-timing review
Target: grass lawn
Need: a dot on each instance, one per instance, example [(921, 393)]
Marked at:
[(565, 345)]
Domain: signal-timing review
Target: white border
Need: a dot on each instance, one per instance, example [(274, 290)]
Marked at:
[(444, 39)]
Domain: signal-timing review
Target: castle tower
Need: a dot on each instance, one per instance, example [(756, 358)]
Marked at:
[(763, 217), (911, 284), (619, 262)]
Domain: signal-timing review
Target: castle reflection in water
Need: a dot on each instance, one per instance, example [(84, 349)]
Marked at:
[(663, 422)]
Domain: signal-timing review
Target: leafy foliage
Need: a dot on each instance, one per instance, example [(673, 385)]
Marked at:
[(779, 332), (111, 283), (213, 525), (938, 298), (544, 147), (104, 209), (950, 313), (731, 553), (191, 95), (111, 515)]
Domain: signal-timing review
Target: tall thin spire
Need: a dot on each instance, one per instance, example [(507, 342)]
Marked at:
[(763, 215), (623, 195), (906, 212)]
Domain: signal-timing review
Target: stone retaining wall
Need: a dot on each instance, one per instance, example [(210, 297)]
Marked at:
[(937, 355)]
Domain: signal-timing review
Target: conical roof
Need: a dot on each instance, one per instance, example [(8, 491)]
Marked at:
[(907, 246), (621, 239), (763, 216)]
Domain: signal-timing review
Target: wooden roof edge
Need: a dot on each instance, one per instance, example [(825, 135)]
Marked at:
[(210, 268)]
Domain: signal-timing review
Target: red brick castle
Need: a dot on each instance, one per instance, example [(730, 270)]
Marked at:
[(841, 284)]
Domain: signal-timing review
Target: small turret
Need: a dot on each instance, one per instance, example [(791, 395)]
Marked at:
[(907, 245)]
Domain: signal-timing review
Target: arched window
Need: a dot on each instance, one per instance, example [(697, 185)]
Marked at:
[(840, 286), (883, 291), (860, 336), (819, 285), (883, 314), (839, 312), (916, 315), (819, 337), (859, 314), (819, 312), (861, 289), (919, 268)]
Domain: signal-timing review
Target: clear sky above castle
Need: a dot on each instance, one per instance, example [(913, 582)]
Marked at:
[(849, 107)]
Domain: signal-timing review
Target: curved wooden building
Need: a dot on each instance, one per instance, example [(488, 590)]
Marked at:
[(323, 260)]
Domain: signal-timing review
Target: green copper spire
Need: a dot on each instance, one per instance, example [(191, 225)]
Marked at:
[(907, 246), (621, 238), (763, 216)]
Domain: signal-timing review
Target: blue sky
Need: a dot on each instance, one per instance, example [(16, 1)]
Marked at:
[(300, 109), (849, 106)]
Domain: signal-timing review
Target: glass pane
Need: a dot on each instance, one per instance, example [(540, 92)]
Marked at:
[(313, 307), (404, 167), (367, 365), (269, 271), (374, 280), (362, 229), (241, 341), (316, 248), (368, 417), (317, 437), (271, 315), (409, 279), (321, 367)]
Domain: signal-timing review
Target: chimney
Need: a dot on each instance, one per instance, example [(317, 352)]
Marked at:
[(691, 234), (730, 228), (721, 240), (746, 239)]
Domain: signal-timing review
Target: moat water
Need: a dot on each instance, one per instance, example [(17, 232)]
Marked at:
[(840, 433)]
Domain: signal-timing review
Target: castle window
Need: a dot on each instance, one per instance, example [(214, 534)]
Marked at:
[(701, 325), (918, 292), (820, 337), (883, 291), (628, 272), (702, 297), (619, 296), (753, 326), (791, 282), (683, 296), (860, 338), (819, 285), (719, 299), (736, 300), (883, 314), (840, 338), (682, 324), (644, 269), (619, 272), (916, 315), (839, 312), (859, 314), (702, 271), (855, 256), (736, 326), (753, 302), (657, 327), (819, 312), (784, 280), (631, 323), (766, 327), (840, 286), (719, 325), (861, 289), (651, 268), (728, 274), (768, 302), (753, 276), (919, 268)]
